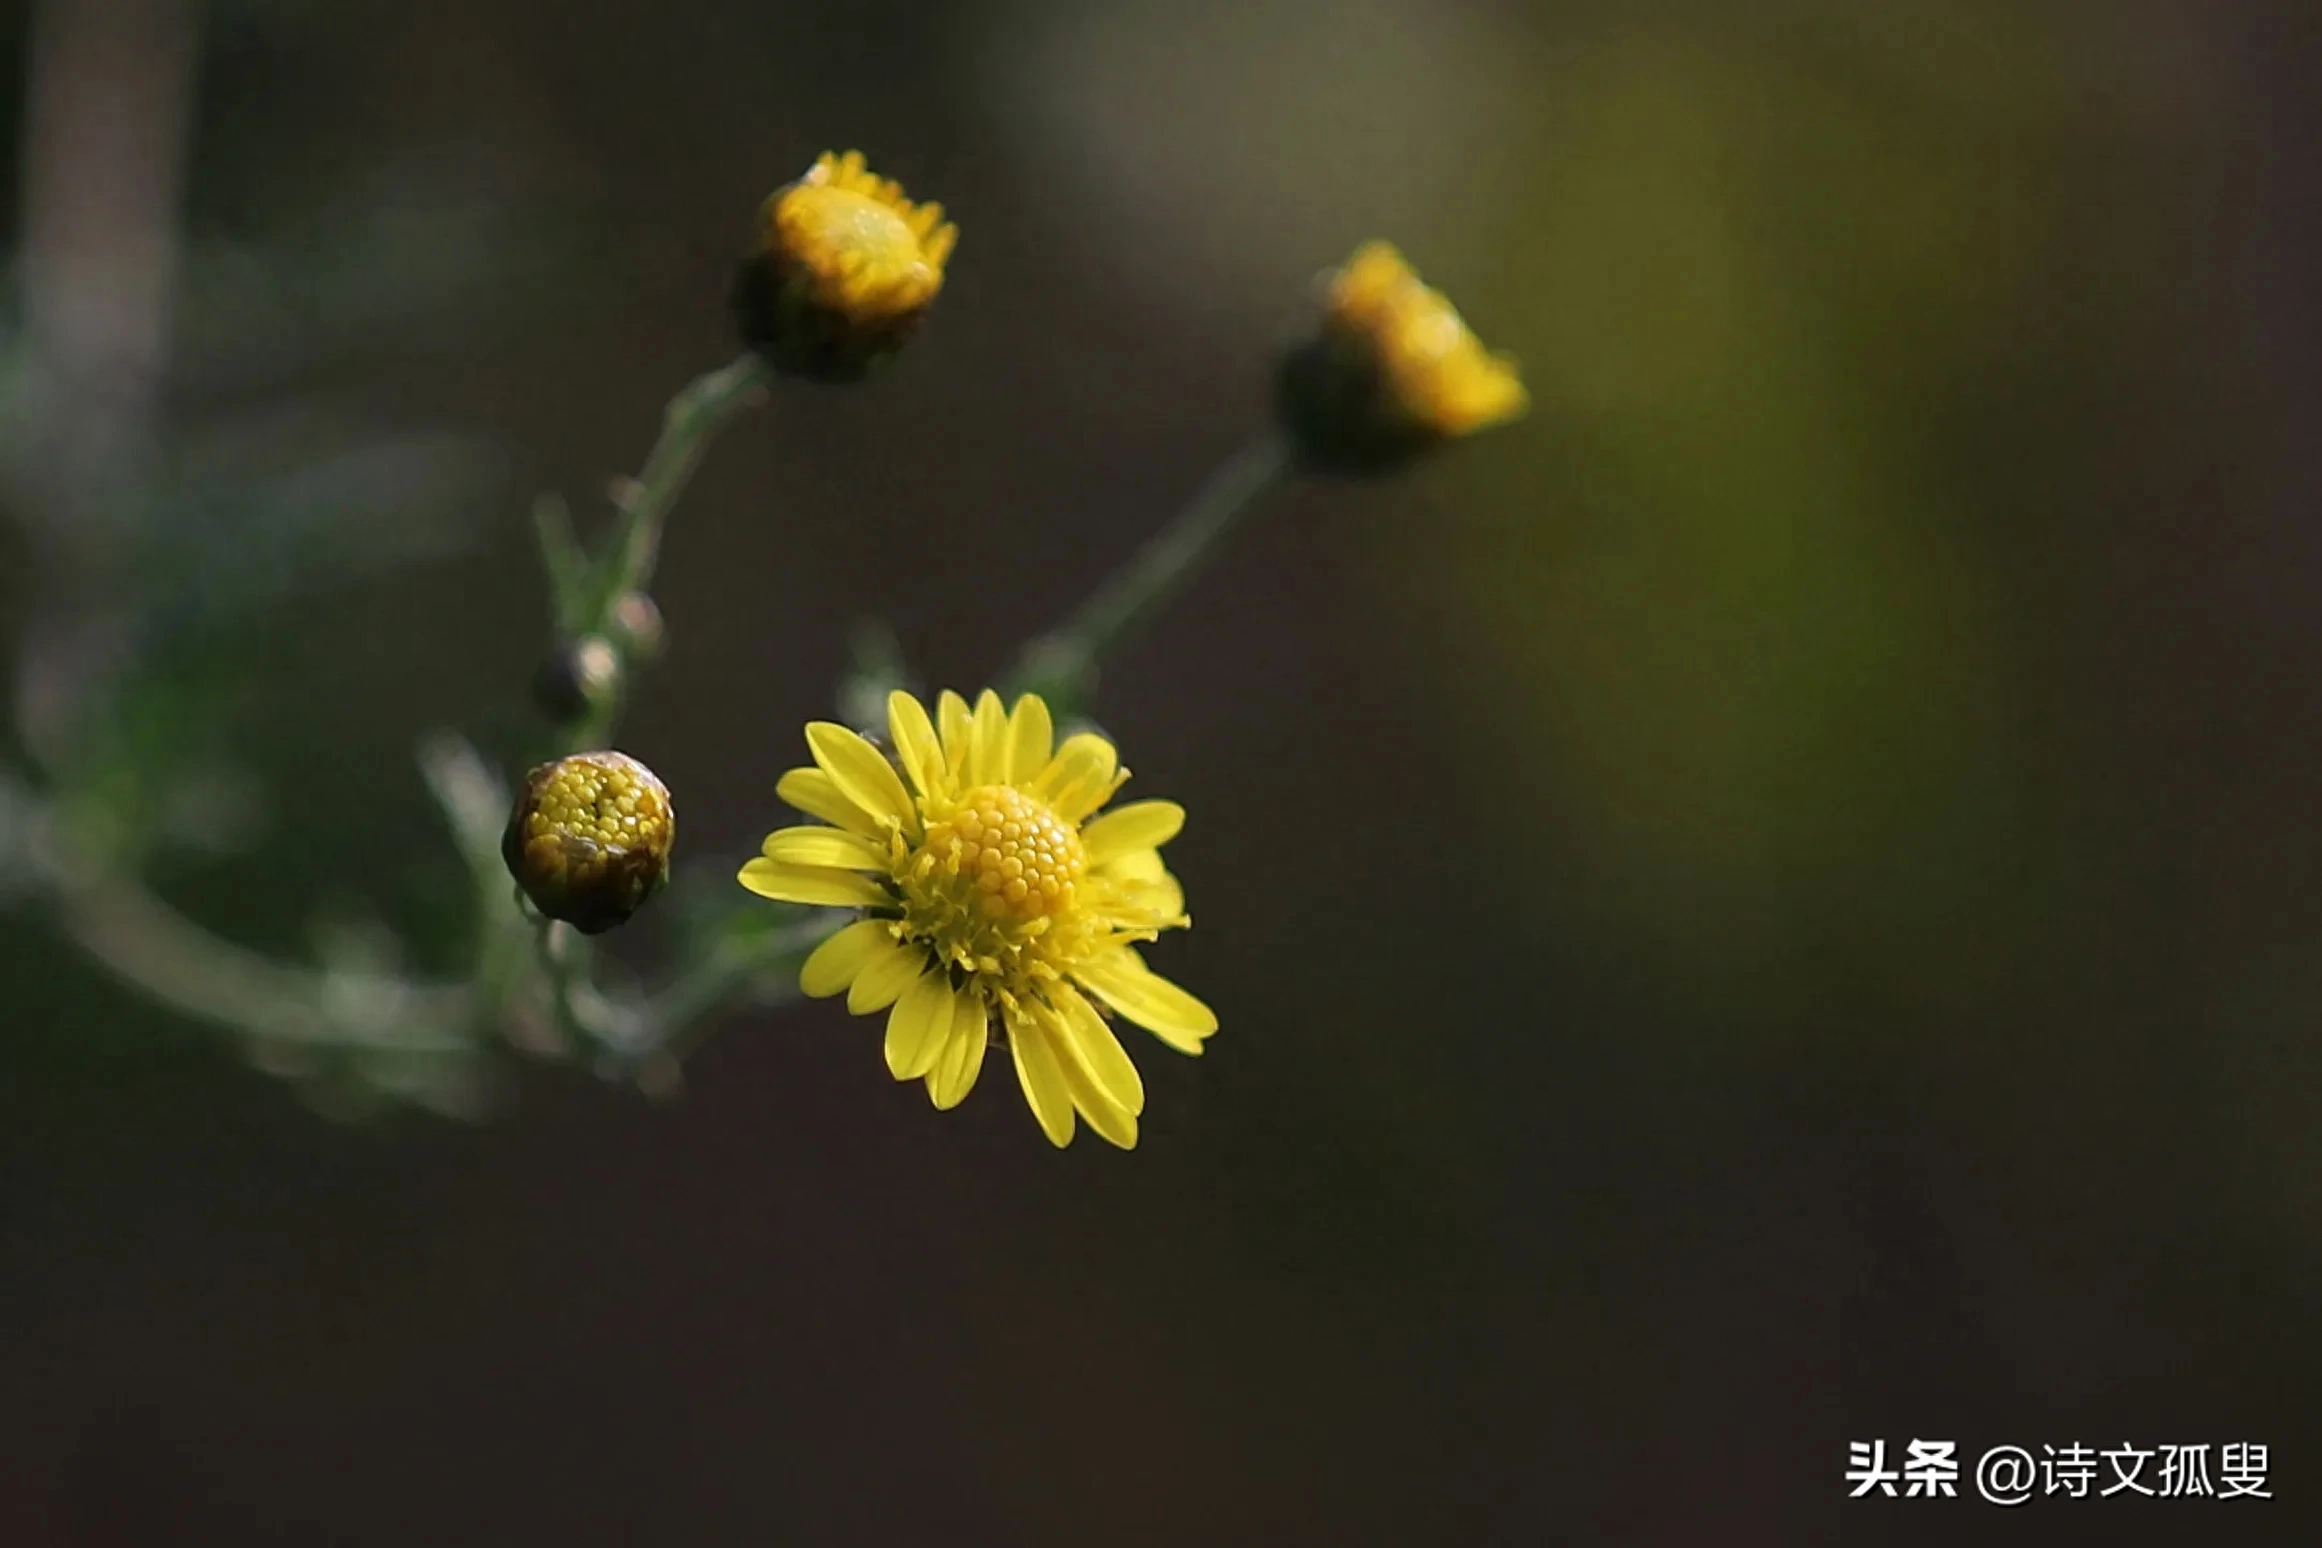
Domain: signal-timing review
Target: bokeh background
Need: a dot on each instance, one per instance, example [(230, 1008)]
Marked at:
[(1777, 903)]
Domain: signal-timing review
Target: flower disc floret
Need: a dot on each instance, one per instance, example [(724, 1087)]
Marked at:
[(999, 862), (997, 906)]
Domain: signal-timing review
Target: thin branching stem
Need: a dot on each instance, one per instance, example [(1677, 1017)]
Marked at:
[(1063, 664), (703, 408), (673, 1021), (144, 942)]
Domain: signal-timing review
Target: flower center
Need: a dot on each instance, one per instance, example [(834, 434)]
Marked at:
[(841, 234), (1004, 855), (599, 801)]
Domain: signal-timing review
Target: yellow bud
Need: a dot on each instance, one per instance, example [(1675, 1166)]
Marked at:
[(842, 270), (590, 838), (1390, 370)]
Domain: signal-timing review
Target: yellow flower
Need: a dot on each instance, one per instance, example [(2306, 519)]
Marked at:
[(1391, 369), (993, 896), (842, 269)]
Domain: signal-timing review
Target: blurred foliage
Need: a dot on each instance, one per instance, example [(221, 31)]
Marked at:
[(157, 579)]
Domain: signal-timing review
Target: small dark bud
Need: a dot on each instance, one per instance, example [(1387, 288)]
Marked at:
[(580, 676)]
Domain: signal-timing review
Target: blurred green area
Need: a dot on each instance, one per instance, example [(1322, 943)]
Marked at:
[(1773, 903), (1736, 599)]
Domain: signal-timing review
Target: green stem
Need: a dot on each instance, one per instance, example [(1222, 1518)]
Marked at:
[(147, 944), (701, 409), (589, 592), (581, 1011), (1062, 665), (673, 1021)]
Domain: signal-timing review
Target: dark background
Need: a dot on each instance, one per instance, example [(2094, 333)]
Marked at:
[(1777, 902)]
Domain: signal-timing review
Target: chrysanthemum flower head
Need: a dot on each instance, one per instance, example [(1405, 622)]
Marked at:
[(1390, 370), (997, 904), (590, 838), (841, 271)]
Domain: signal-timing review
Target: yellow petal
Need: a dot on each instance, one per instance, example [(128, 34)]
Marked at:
[(861, 773), (1042, 1077), (1144, 887), (1031, 738), (1121, 979), (1075, 805), (1107, 1117), (1139, 825), (832, 848), (817, 794), (918, 1025), (1089, 1046), (915, 740), (1135, 865), (837, 961), (1082, 768), (988, 742), (951, 715), (954, 1075), (884, 978), (811, 884)]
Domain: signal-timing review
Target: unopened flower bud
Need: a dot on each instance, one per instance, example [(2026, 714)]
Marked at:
[(1389, 371), (583, 674), (841, 271), (590, 838)]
